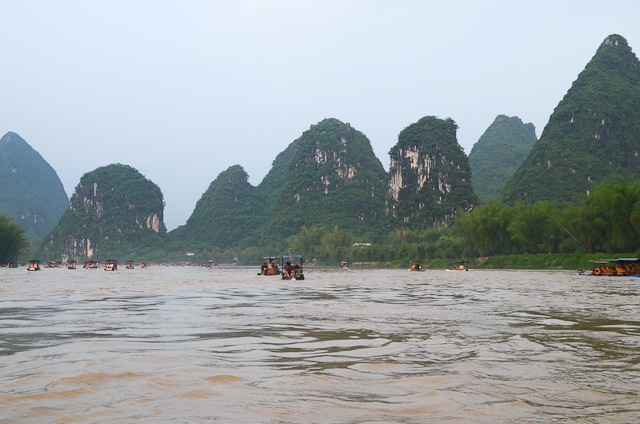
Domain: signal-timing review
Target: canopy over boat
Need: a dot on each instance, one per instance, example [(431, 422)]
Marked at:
[(619, 260)]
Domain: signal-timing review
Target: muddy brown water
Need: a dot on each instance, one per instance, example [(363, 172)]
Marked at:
[(189, 345)]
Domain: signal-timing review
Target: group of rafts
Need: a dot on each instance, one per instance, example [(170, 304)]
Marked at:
[(455, 266), (110, 265), (622, 267), (288, 267)]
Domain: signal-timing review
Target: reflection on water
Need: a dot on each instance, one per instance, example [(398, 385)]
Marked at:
[(224, 345)]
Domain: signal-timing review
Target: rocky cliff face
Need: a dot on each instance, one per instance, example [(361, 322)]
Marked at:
[(593, 134), (429, 175), (114, 211), (332, 179), (30, 191), (498, 154), (231, 213)]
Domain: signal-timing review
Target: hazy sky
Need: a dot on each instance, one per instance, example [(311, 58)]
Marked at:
[(181, 90)]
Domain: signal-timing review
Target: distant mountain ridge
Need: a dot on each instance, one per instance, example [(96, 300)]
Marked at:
[(593, 133), (231, 213), (30, 191), (498, 153)]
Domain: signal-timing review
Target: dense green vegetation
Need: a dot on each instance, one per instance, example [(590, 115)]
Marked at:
[(430, 176), (333, 178), (273, 183), (12, 239), (524, 235), (230, 214), (497, 155), (592, 134), (30, 191), (606, 221), (114, 212)]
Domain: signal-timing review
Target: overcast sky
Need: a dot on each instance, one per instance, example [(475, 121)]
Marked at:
[(181, 90)]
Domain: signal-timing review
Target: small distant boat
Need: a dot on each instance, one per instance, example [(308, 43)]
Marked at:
[(457, 266), (292, 271), (71, 264), (144, 265), (111, 265), (48, 264), (416, 267), (11, 265), (130, 265), (622, 267), (211, 264), (344, 265), (91, 265), (270, 266), (34, 265)]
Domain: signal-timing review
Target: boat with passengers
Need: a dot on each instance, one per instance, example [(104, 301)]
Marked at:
[(416, 267), (111, 265), (621, 267), (292, 267), (270, 266), (457, 266), (34, 265)]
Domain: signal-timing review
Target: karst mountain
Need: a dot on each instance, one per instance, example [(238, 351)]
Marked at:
[(592, 135)]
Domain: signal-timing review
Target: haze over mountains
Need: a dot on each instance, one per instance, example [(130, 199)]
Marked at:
[(30, 191), (329, 176), (498, 154)]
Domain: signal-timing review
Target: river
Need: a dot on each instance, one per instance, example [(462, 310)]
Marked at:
[(194, 345)]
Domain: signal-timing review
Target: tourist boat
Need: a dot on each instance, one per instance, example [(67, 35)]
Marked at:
[(457, 266), (344, 265), (622, 267), (12, 265), (270, 266), (34, 265), (129, 265), (144, 265), (91, 265), (416, 267), (71, 264), (210, 264), (48, 264), (292, 267), (111, 265)]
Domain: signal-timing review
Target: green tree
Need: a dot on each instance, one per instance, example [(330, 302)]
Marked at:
[(534, 228), (485, 229), (12, 239), (307, 241), (337, 241)]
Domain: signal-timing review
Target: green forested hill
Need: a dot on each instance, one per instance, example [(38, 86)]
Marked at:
[(498, 154), (593, 134), (30, 191), (334, 178), (230, 213), (276, 179), (115, 212), (429, 175)]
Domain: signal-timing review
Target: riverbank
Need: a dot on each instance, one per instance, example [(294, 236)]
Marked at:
[(537, 261)]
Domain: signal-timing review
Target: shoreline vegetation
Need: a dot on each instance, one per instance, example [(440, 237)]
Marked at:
[(538, 261)]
